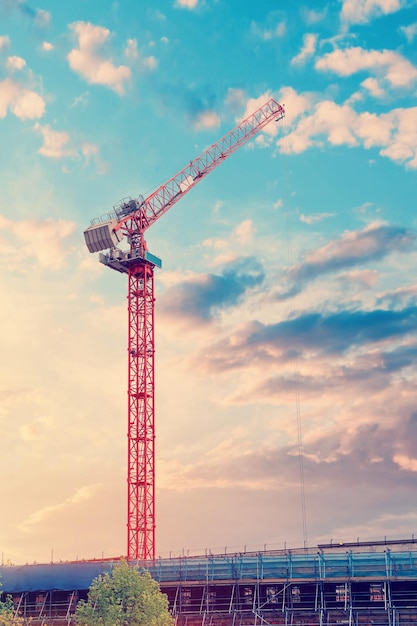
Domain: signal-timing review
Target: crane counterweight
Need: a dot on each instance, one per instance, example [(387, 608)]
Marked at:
[(102, 236), (131, 218)]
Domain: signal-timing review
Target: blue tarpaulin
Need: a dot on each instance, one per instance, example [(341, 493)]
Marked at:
[(52, 576)]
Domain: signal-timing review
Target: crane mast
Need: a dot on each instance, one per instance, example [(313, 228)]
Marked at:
[(131, 218)]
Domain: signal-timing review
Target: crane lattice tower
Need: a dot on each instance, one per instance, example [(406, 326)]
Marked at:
[(131, 218)]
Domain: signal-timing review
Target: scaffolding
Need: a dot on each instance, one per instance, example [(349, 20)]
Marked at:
[(346, 585)]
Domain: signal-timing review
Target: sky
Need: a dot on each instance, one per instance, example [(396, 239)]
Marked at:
[(286, 308)]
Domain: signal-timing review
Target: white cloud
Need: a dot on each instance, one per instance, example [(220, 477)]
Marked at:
[(131, 50), (158, 15), (409, 31), (56, 144), (81, 100), (81, 495), (397, 70), (132, 53), (244, 232), (313, 17), (88, 61), (374, 130), (23, 103), (403, 127), (363, 278), (29, 105), (215, 244), (312, 219), (59, 145), (186, 4), (4, 42), (207, 119), (308, 49), (362, 11), (42, 18), (15, 63), (227, 250), (403, 146), (405, 462), (39, 239), (47, 46), (295, 104), (261, 141), (90, 152), (279, 30), (266, 34), (358, 96), (329, 119), (150, 63), (373, 87), (395, 133), (252, 105)]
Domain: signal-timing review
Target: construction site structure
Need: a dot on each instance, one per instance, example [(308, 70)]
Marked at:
[(358, 584), (131, 218)]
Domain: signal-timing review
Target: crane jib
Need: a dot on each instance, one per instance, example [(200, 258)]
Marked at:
[(139, 214), (163, 198)]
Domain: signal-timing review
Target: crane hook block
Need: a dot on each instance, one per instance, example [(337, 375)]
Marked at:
[(102, 236)]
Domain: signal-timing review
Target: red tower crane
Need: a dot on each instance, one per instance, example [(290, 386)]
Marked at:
[(131, 218)]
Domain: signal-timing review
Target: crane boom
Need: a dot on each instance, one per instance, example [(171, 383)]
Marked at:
[(161, 200), (132, 217), (137, 215)]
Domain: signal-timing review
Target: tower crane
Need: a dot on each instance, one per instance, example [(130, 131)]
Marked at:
[(130, 218)]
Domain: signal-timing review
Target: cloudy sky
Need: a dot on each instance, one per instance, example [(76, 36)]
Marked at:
[(286, 309)]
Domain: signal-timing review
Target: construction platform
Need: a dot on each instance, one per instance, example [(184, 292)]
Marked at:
[(350, 584)]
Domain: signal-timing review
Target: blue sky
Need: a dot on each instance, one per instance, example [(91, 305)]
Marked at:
[(287, 301)]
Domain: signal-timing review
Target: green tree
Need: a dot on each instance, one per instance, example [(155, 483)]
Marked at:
[(127, 596), (7, 613)]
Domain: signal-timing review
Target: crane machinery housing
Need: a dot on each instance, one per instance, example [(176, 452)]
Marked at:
[(130, 218)]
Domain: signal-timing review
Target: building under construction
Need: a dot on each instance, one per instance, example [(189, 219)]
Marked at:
[(352, 584)]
